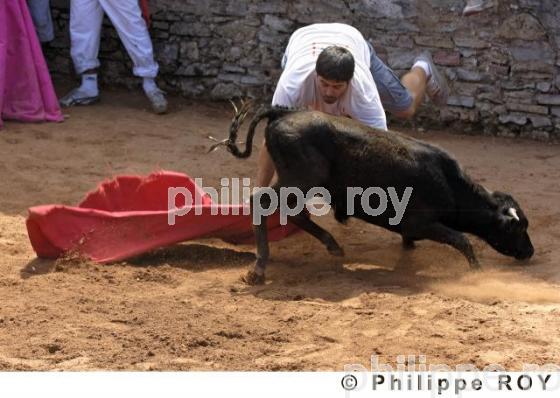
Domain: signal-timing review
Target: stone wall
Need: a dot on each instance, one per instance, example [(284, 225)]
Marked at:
[(503, 65)]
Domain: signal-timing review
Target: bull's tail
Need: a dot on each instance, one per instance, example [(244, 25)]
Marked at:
[(265, 112)]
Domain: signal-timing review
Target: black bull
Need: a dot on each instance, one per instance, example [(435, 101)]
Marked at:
[(313, 149)]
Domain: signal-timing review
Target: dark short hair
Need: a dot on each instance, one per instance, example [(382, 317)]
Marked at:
[(335, 63)]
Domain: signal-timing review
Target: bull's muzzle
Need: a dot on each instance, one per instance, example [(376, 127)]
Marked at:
[(525, 254)]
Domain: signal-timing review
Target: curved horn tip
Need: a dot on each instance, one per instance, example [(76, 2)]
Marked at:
[(512, 212)]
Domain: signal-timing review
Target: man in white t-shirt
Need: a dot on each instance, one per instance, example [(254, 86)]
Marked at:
[(326, 68), (332, 68)]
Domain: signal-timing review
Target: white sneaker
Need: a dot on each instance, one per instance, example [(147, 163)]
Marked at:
[(157, 100), (436, 87), (78, 96)]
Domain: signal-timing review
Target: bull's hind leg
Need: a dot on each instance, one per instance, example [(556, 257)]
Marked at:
[(304, 222), (442, 234), (290, 157), (256, 276)]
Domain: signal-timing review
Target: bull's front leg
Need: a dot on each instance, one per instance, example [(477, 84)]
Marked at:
[(442, 234)]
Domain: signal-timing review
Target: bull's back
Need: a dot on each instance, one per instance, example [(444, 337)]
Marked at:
[(360, 156)]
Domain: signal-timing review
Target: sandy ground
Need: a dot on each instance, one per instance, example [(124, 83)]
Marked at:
[(183, 307)]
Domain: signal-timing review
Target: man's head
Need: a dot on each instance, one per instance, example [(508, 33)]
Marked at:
[(335, 68)]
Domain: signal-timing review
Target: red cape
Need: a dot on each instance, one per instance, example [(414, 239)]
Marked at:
[(128, 216)]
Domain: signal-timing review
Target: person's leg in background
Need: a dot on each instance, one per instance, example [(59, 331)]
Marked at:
[(86, 17), (126, 16), (42, 19), (403, 97)]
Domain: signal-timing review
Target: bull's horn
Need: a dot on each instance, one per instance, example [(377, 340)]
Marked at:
[(512, 212)]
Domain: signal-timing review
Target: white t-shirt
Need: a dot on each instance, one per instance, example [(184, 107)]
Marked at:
[(298, 84)]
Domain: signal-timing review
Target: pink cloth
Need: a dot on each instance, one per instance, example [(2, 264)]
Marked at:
[(127, 216), (26, 90)]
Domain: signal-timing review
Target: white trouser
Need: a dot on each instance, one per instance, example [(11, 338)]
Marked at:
[(86, 18)]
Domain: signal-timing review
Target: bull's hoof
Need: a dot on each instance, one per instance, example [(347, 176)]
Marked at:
[(252, 278), (475, 266), (336, 251), (408, 244)]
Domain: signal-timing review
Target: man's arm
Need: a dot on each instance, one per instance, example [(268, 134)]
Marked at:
[(366, 107), (281, 95)]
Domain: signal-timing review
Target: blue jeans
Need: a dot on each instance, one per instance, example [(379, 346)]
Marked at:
[(41, 14), (394, 96)]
